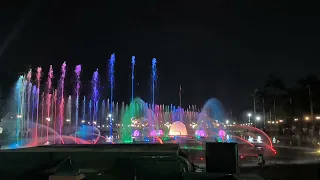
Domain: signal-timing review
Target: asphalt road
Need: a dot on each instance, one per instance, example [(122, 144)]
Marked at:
[(288, 163)]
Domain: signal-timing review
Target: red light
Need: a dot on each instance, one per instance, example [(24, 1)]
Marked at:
[(201, 158), (241, 157)]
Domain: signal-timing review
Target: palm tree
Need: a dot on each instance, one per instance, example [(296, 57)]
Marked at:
[(310, 82), (275, 84), (262, 94)]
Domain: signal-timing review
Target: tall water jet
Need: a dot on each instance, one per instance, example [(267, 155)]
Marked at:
[(42, 114), (69, 106), (61, 96), (133, 62), (55, 114), (19, 88), (83, 109), (39, 69), (103, 108), (34, 101), (77, 89), (111, 79), (29, 87), (90, 111), (48, 98), (154, 79), (95, 96)]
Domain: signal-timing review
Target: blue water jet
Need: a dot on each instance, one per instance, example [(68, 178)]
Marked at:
[(83, 109), (154, 79), (111, 79), (133, 62), (19, 97)]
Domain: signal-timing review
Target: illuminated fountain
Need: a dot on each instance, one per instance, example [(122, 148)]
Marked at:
[(208, 119), (132, 118), (44, 115)]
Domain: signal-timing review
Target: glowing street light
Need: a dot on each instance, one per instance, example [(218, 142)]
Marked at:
[(83, 121), (68, 120), (249, 115), (227, 121), (258, 118), (109, 115), (307, 118)]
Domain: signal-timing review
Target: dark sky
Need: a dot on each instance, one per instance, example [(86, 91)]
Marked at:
[(218, 48)]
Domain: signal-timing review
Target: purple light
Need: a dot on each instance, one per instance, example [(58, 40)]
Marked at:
[(222, 133), (153, 133), (200, 133), (136, 133), (160, 132)]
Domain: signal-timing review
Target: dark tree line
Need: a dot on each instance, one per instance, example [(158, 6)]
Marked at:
[(275, 101)]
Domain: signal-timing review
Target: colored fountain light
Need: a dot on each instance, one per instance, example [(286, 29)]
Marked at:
[(136, 133), (222, 133), (178, 129), (200, 133), (160, 133), (153, 133)]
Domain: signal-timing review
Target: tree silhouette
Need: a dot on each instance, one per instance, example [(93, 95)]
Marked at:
[(310, 83), (275, 84)]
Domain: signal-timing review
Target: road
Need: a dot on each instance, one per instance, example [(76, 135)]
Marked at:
[(288, 163)]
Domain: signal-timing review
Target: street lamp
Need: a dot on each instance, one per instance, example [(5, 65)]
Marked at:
[(227, 121), (249, 115), (258, 118)]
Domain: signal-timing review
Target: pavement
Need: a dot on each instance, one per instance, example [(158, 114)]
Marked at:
[(292, 163), (285, 171)]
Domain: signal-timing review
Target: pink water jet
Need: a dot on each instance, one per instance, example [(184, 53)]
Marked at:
[(256, 129)]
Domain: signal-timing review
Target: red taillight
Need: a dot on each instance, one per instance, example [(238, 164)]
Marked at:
[(201, 158)]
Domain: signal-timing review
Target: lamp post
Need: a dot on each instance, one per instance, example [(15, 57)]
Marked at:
[(249, 115), (257, 119)]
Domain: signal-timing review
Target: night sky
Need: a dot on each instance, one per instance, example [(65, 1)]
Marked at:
[(223, 49)]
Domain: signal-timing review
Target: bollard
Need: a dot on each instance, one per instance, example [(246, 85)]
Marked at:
[(261, 160)]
